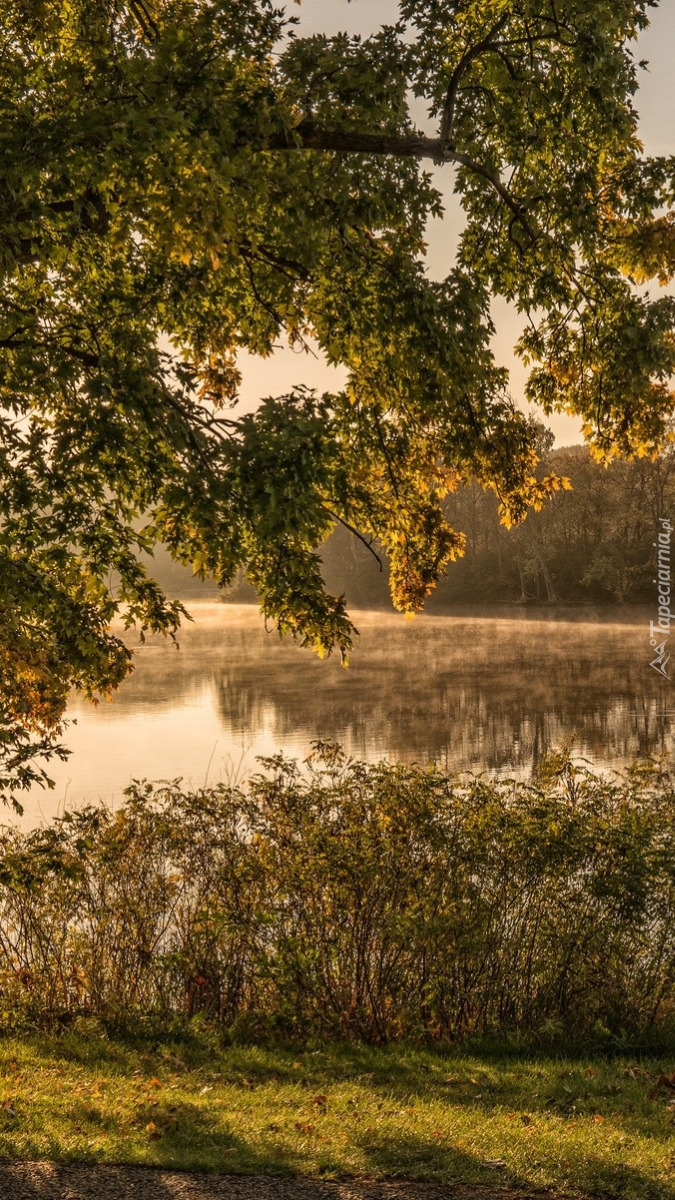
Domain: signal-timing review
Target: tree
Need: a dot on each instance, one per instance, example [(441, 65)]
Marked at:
[(184, 178)]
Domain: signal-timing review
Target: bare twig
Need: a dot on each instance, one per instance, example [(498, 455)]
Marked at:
[(364, 541)]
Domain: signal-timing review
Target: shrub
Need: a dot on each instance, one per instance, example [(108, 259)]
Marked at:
[(352, 900)]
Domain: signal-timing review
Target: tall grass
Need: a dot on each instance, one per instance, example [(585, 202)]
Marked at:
[(350, 900)]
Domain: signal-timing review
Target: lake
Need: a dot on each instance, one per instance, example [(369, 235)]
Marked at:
[(481, 690)]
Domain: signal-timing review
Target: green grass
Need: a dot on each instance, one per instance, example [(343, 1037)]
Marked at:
[(599, 1126)]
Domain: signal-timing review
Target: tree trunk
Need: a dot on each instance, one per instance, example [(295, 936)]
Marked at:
[(551, 594)]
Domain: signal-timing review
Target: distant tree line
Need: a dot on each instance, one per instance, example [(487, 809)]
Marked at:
[(591, 544)]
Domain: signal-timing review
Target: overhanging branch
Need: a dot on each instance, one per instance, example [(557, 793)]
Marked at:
[(309, 136)]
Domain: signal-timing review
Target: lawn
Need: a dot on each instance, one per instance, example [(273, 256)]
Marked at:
[(600, 1126)]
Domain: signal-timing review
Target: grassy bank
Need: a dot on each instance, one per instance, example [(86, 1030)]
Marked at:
[(594, 1126)]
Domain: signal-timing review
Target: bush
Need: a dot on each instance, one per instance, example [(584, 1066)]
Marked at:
[(352, 900)]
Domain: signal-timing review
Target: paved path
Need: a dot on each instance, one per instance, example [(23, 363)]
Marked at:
[(59, 1181)]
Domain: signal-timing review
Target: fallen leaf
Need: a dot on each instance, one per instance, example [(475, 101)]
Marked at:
[(304, 1127)]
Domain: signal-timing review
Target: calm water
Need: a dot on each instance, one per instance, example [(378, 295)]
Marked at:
[(469, 692)]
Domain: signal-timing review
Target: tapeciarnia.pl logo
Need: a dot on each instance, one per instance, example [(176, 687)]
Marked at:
[(656, 631)]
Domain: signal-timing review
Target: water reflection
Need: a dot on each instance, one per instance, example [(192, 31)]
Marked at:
[(470, 692)]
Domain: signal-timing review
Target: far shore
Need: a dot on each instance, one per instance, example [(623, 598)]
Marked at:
[(563, 611)]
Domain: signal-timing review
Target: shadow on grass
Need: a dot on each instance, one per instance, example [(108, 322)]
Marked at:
[(413, 1157), (180, 1134), (543, 1084), (177, 1135), (619, 1180), (445, 1164)]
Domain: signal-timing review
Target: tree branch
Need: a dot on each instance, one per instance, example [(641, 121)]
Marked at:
[(144, 20), (368, 545), (465, 62), (309, 136), (501, 190)]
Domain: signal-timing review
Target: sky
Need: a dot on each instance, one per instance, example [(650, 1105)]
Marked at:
[(656, 105)]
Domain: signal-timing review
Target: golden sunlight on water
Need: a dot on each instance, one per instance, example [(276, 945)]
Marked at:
[(471, 692)]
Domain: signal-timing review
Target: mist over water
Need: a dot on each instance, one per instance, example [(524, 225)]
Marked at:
[(484, 691)]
